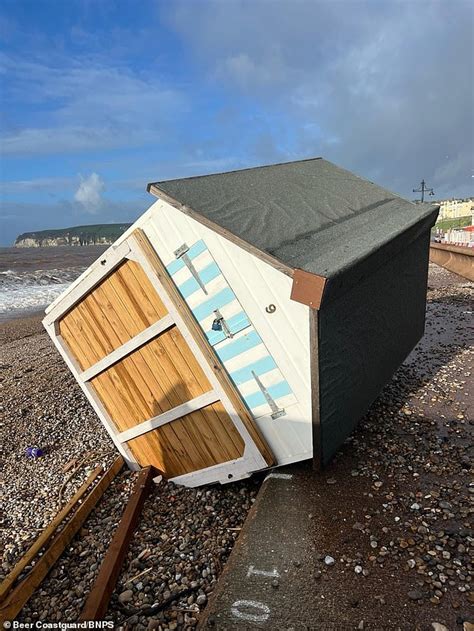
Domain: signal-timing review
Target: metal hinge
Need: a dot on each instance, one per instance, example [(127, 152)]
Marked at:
[(181, 253), (276, 411)]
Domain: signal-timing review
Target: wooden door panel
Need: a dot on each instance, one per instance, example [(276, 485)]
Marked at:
[(121, 306), (213, 438), (137, 352), (151, 380)]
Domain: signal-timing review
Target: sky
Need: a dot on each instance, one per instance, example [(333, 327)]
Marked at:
[(100, 97)]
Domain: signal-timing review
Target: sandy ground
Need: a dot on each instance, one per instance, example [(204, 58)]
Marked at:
[(421, 456)]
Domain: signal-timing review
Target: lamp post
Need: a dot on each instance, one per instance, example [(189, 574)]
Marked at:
[(423, 189)]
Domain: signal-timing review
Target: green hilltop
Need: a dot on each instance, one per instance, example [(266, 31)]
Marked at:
[(78, 235)]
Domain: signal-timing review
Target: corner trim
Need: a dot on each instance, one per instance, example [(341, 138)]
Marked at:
[(315, 398), (308, 288)]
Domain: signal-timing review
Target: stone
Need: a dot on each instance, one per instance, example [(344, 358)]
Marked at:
[(329, 560), (202, 599), (126, 596), (437, 626), (415, 594)]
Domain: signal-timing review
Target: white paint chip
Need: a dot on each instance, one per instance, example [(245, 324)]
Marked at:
[(279, 476)]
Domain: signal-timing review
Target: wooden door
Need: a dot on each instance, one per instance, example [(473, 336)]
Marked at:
[(150, 373)]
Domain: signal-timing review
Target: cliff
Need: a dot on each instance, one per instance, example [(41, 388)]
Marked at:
[(100, 234)]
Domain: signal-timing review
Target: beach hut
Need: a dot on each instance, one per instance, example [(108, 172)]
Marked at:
[(248, 319)]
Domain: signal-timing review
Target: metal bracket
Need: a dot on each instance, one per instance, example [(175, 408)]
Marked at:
[(181, 253), (220, 324), (276, 411)]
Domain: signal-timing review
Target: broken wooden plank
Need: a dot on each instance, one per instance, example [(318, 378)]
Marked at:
[(20, 595), (98, 599), (46, 535)]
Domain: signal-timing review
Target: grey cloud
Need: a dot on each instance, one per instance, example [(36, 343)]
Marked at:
[(383, 88)]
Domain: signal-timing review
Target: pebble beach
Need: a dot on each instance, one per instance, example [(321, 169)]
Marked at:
[(414, 447)]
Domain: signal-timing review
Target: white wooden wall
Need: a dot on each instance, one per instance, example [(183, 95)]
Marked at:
[(256, 284)]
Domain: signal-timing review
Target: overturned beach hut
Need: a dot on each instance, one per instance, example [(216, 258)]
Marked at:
[(247, 319)]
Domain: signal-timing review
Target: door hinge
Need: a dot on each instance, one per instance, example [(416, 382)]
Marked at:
[(276, 411), (181, 253)]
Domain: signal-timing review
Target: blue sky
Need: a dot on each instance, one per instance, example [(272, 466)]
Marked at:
[(100, 97)]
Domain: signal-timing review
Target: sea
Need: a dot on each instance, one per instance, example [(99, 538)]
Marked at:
[(31, 278)]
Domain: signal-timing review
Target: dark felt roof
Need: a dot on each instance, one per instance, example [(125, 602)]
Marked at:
[(309, 214)]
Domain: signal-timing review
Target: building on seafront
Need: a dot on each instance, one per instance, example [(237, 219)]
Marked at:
[(455, 208)]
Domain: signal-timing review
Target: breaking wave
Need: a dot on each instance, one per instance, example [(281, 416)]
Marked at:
[(28, 291)]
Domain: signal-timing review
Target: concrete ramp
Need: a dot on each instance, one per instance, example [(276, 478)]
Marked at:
[(271, 578)]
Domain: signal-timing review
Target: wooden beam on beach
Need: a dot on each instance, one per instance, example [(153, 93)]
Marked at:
[(20, 595), (46, 535), (98, 599)]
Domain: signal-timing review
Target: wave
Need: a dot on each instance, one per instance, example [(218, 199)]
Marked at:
[(31, 291)]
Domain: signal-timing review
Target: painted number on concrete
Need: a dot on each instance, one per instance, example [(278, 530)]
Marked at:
[(250, 610), (252, 571), (253, 610)]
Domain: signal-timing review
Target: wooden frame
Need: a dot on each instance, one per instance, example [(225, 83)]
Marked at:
[(315, 401), (127, 348), (256, 454), (170, 415), (52, 329), (47, 534), (20, 595), (97, 602)]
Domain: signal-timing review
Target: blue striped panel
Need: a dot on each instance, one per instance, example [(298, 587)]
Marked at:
[(191, 285), (278, 390), (236, 347), (235, 323), (197, 248), (260, 367), (207, 307)]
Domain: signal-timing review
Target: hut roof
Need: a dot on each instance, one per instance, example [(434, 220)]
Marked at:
[(309, 214)]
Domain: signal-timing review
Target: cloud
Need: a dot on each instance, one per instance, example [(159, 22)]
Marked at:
[(90, 106), (357, 82), (43, 184), (89, 193)]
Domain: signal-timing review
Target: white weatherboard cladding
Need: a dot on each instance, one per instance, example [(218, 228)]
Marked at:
[(256, 284)]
